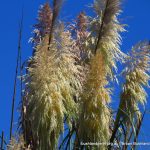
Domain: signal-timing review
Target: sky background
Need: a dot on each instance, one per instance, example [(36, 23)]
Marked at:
[(136, 14)]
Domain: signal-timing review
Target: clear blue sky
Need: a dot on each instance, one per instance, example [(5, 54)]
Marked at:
[(136, 13)]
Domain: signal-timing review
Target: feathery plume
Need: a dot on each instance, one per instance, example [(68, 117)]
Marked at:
[(133, 94), (53, 81), (95, 114), (109, 39), (82, 36), (44, 22), (137, 77), (17, 144)]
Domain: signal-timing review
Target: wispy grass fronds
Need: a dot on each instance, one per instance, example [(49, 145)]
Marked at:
[(71, 71), (108, 38), (43, 25), (95, 114), (79, 33), (136, 75), (45, 108), (17, 144), (82, 34), (53, 80), (137, 78), (56, 9)]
